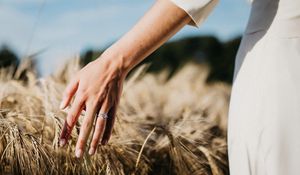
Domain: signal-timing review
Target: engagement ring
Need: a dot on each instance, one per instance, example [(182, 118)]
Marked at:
[(103, 115)]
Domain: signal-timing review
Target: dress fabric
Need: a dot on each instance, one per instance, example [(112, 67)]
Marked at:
[(198, 10), (264, 111)]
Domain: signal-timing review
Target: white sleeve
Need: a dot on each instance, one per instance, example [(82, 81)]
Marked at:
[(198, 10)]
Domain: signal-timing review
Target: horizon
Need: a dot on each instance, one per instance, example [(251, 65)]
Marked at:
[(61, 29)]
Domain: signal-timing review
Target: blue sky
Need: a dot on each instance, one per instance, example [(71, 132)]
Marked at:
[(63, 28)]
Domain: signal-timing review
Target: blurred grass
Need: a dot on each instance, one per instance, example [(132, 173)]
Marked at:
[(183, 118)]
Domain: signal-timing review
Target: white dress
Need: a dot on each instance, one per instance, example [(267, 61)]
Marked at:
[(264, 113)]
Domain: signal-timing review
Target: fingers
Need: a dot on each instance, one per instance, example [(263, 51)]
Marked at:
[(109, 124), (112, 113), (103, 125), (71, 120), (85, 129), (69, 93), (99, 128)]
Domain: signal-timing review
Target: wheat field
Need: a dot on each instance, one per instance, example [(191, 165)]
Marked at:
[(174, 126)]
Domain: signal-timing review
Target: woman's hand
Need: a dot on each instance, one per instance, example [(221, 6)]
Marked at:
[(97, 89), (98, 85)]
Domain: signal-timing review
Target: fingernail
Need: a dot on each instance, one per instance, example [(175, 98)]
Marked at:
[(62, 142), (61, 106), (92, 151), (104, 142), (79, 153)]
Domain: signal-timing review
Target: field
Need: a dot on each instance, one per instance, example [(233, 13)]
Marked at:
[(174, 126)]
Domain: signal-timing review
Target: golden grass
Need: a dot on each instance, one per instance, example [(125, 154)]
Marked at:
[(163, 127)]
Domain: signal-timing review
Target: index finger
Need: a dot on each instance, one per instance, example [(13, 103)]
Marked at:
[(70, 121), (69, 93)]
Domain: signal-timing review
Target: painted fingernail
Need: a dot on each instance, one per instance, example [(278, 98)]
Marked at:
[(79, 153), (62, 142), (92, 151)]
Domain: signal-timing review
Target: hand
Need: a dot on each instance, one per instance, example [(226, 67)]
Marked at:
[(97, 89), (98, 85)]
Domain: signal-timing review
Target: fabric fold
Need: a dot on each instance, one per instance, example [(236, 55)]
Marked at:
[(198, 10)]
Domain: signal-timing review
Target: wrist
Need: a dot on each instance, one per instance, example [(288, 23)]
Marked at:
[(114, 60)]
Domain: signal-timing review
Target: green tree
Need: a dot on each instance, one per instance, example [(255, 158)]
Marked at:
[(7, 57)]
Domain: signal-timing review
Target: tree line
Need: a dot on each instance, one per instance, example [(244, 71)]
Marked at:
[(220, 56)]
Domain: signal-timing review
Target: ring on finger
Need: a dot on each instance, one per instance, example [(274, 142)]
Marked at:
[(103, 115)]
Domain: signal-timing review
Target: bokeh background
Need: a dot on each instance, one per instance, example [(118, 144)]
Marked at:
[(53, 31), (172, 116)]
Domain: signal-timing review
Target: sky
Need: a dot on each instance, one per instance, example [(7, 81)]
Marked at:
[(62, 29)]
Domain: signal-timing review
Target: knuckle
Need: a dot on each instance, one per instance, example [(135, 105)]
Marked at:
[(94, 103), (86, 124), (81, 90), (71, 119), (82, 95), (72, 114), (94, 142), (80, 143)]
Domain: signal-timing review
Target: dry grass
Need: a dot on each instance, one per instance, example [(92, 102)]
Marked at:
[(163, 127)]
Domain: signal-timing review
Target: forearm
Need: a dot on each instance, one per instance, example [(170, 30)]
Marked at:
[(97, 86), (161, 22)]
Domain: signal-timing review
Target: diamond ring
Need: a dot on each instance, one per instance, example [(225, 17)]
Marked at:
[(103, 115)]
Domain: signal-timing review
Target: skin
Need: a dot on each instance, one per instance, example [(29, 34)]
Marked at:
[(97, 87)]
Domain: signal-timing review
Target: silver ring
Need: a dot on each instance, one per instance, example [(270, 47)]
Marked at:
[(103, 115)]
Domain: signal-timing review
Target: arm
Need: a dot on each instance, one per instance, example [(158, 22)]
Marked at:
[(161, 22), (98, 85)]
